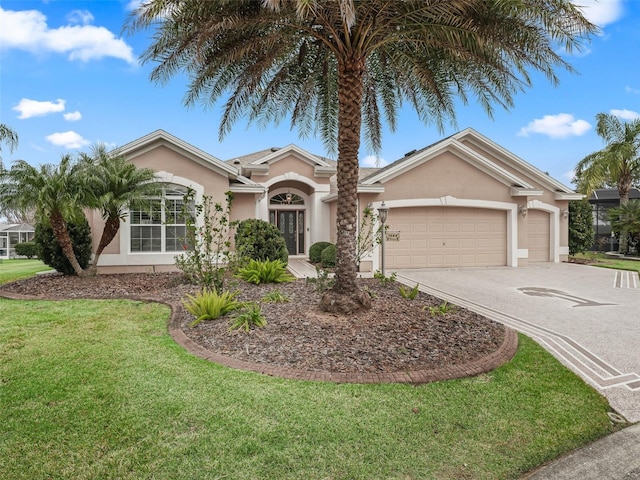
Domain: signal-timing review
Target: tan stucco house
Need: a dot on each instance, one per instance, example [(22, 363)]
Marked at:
[(463, 201)]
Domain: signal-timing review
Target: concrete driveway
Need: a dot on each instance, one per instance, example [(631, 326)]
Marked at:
[(588, 317)]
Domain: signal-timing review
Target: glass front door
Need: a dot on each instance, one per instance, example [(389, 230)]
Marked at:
[(291, 225)]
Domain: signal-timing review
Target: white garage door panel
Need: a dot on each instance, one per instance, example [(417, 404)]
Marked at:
[(539, 236), (447, 237)]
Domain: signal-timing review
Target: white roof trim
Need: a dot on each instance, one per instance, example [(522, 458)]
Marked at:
[(525, 192), (568, 196), (523, 166), (465, 153), (291, 149), (255, 188), (146, 143)]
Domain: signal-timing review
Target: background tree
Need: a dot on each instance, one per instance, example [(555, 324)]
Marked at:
[(617, 163), (580, 226), (335, 66), (8, 136), (112, 185), (625, 220), (54, 191)]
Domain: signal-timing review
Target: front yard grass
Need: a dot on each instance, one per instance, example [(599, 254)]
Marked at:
[(601, 260), (98, 389), (17, 269)]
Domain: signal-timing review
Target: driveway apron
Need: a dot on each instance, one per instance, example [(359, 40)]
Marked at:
[(587, 317)]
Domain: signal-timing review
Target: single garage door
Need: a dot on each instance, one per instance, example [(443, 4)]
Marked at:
[(539, 236), (446, 237)]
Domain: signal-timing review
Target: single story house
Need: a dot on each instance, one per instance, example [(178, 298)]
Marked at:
[(463, 201), (11, 234)]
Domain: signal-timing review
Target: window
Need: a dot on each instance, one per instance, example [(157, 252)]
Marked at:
[(159, 225)]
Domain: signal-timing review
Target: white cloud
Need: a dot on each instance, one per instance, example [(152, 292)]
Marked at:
[(33, 108), (72, 116), (70, 139), (570, 175), (629, 89), (28, 30), (81, 17), (625, 114), (600, 12), (371, 161), (556, 126)]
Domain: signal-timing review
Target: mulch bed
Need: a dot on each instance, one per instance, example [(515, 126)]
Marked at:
[(395, 335)]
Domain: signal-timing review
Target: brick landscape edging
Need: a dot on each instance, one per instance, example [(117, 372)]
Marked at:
[(484, 364)]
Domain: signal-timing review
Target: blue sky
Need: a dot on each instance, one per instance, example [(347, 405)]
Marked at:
[(69, 78)]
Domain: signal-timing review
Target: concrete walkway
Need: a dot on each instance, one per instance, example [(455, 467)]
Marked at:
[(588, 318)]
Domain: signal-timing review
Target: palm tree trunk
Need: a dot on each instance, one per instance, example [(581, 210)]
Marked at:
[(111, 227), (59, 227), (345, 296)]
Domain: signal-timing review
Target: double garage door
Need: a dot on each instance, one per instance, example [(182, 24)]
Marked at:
[(446, 237)]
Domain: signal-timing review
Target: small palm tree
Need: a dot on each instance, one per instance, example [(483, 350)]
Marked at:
[(54, 191), (625, 219), (113, 185), (617, 163)]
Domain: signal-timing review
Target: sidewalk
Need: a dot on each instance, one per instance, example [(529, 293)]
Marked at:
[(615, 457)]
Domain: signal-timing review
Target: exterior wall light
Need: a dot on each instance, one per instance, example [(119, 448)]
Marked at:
[(522, 210), (565, 213)]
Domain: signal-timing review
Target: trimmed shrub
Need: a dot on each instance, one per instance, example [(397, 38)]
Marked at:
[(49, 250), (315, 251), (580, 226), (328, 257), (27, 249), (259, 240)]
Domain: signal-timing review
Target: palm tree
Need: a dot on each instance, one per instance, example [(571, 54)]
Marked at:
[(625, 219), (7, 135), (54, 191), (335, 71), (617, 163), (112, 185)]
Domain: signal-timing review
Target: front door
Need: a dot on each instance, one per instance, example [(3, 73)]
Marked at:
[(291, 225)]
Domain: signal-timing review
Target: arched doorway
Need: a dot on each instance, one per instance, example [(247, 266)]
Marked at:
[(287, 212)]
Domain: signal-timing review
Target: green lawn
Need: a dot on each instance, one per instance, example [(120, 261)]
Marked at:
[(99, 390), (600, 260), (16, 269)]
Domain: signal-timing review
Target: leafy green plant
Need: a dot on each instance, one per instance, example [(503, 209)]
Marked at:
[(369, 234), (384, 280), (322, 281), (207, 246), (328, 257), (265, 271), (50, 251), (315, 251), (209, 305), (441, 309), (275, 296), (580, 226), (27, 249), (250, 317), (257, 239), (409, 293)]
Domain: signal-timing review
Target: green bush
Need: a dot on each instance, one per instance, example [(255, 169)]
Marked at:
[(580, 226), (50, 252), (209, 305), (315, 251), (265, 271), (259, 240), (27, 249), (328, 257)]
